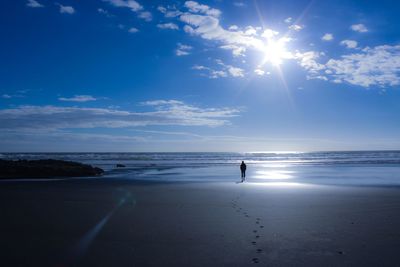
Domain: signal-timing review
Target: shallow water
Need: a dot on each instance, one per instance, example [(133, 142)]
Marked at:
[(381, 168)]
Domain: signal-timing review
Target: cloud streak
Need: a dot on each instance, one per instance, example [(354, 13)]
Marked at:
[(183, 50), (164, 112), (34, 4), (359, 28), (66, 9), (134, 6), (78, 98), (170, 26)]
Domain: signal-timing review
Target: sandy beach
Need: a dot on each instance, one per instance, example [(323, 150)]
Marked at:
[(99, 222)]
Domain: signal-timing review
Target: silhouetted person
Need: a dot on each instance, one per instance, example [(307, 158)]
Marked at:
[(243, 170)]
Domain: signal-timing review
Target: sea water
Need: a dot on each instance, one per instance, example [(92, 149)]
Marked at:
[(365, 168)]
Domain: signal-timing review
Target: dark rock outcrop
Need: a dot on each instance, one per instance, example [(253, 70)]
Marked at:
[(121, 166), (46, 168)]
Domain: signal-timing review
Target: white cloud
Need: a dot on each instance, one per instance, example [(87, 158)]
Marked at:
[(168, 13), (259, 72), (224, 70), (131, 4), (146, 15), (376, 66), (349, 43), (308, 60), (327, 37), (66, 9), (269, 34), (78, 98), (164, 113), (33, 4), (181, 53), (236, 50), (134, 6), (235, 72), (288, 20), (162, 9), (195, 7), (133, 30), (171, 26), (296, 27), (233, 28), (211, 73), (358, 28), (188, 29), (6, 96), (208, 28), (203, 21), (183, 50), (250, 30)]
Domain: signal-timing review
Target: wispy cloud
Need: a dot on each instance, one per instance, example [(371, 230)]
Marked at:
[(131, 4), (371, 66), (210, 72), (327, 37), (296, 27), (6, 96), (309, 61), (235, 71), (104, 12), (78, 98), (236, 50), (133, 30), (33, 4), (208, 28), (358, 28), (349, 43), (146, 15), (288, 20), (239, 4), (170, 26), (165, 112), (20, 94), (169, 13), (222, 70), (183, 50), (134, 6), (195, 7), (259, 72), (66, 9), (379, 66)]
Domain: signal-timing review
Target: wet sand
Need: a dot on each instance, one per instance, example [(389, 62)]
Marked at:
[(123, 223)]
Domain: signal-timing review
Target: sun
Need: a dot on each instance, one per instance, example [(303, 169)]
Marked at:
[(275, 51)]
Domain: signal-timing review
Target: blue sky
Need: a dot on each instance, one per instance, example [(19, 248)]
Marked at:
[(119, 75)]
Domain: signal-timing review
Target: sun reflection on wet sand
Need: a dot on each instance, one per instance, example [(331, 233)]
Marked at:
[(274, 174), (278, 184)]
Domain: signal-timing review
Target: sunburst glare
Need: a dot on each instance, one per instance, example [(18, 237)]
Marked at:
[(275, 51)]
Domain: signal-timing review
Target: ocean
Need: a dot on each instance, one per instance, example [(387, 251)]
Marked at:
[(360, 168)]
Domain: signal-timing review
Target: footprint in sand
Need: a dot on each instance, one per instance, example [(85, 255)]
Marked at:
[(254, 231), (255, 260), (257, 236), (259, 250), (261, 226), (254, 242)]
